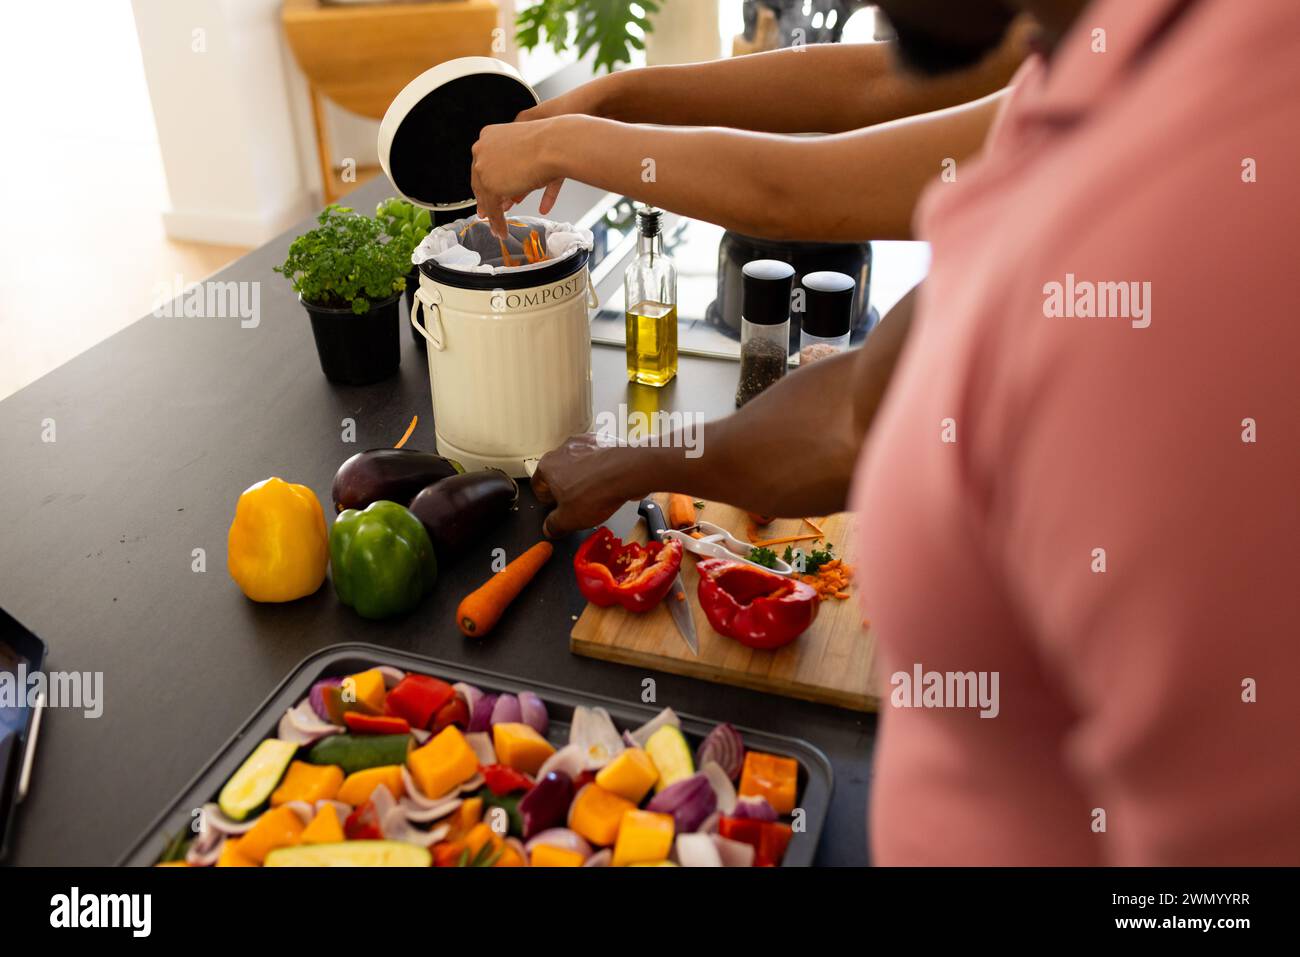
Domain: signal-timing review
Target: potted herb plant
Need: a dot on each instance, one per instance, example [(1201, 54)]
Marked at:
[(349, 275), (407, 225)]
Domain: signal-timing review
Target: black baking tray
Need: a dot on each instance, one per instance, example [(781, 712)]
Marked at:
[(815, 777), (17, 646)]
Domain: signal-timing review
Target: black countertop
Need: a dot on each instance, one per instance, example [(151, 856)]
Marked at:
[(157, 430)]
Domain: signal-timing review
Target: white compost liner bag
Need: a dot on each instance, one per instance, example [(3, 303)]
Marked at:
[(468, 244)]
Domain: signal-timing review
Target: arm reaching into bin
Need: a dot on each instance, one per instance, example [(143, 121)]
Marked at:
[(762, 458), (760, 184), (816, 88)]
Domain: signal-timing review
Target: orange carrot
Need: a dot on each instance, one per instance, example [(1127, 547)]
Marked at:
[(815, 527), (407, 434), (769, 542), (480, 610), (681, 511)]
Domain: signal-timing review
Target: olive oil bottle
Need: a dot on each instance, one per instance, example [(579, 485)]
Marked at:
[(650, 291)]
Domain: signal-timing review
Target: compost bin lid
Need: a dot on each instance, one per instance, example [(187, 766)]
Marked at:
[(427, 136)]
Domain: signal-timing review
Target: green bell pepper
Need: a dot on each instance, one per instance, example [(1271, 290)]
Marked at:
[(382, 560)]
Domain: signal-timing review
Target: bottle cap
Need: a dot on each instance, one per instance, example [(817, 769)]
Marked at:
[(767, 286), (649, 220), (828, 304)]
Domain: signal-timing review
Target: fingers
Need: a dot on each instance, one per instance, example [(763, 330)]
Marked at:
[(559, 523), (542, 489), (549, 196)]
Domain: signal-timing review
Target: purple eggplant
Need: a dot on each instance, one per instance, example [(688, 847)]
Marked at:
[(391, 475), (546, 803), (458, 510)]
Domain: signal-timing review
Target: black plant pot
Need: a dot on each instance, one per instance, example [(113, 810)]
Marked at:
[(357, 349), (412, 284)]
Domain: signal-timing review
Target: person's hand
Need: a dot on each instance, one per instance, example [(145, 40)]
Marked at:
[(585, 479), (509, 163)]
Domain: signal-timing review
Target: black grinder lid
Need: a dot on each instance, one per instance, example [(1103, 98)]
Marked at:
[(828, 304), (427, 136), (766, 291)]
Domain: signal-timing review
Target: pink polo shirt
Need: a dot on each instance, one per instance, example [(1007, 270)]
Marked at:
[(1098, 499)]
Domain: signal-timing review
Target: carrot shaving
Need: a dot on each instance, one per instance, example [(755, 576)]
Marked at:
[(815, 527), (407, 434), (769, 542)]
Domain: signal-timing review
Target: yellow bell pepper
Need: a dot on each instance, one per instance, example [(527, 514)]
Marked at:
[(630, 775), (308, 782), (358, 786), (278, 827), (278, 546), (324, 828), (643, 837), (443, 762)]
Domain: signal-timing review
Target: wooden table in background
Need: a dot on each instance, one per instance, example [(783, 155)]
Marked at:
[(361, 56)]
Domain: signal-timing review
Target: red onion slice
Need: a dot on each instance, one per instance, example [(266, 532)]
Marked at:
[(561, 837), (301, 725), (205, 857), (212, 816), (317, 696), (391, 675), (480, 716), (506, 710), (642, 734), (481, 742), (754, 808), (570, 759), (304, 810), (697, 850), (593, 731), (341, 808), (722, 786), (533, 712), (724, 746), (423, 815), (469, 693), (733, 853), (600, 859), (418, 798)]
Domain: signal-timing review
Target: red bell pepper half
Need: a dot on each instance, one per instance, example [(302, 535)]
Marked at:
[(417, 698), (636, 576), (375, 723), (502, 780), (363, 824), (769, 839), (756, 608)]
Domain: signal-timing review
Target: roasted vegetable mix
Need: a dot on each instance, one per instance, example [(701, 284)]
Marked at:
[(385, 768)]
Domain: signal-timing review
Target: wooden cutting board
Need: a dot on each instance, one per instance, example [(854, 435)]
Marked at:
[(830, 662)]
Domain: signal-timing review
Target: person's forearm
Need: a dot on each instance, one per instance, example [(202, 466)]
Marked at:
[(847, 187), (817, 88), (788, 451)]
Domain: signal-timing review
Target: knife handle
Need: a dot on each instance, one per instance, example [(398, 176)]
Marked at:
[(655, 522)]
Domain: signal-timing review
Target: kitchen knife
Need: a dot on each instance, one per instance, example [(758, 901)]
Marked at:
[(656, 525)]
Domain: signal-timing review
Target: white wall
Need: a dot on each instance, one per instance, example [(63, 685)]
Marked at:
[(226, 125)]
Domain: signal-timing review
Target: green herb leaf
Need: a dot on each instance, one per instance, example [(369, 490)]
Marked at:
[(763, 556)]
